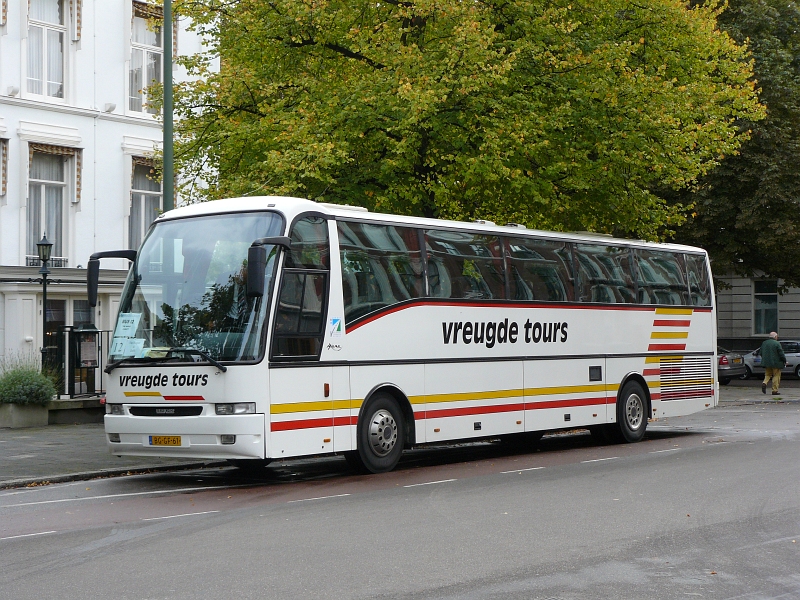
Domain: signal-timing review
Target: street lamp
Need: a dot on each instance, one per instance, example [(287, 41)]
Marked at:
[(44, 248)]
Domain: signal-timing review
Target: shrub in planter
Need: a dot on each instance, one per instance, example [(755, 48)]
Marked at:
[(25, 385)]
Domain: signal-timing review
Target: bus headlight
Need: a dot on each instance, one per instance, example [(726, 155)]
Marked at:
[(238, 408), (115, 409)]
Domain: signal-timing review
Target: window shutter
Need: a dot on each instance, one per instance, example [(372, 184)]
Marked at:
[(3, 167), (76, 14), (147, 11), (143, 161)]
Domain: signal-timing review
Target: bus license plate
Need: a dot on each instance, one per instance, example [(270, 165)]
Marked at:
[(165, 440)]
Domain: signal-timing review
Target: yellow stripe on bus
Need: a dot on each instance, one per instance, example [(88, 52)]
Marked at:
[(669, 335), (683, 382), (154, 394), (658, 359), (355, 404), (465, 396), (293, 407), (674, 311), (571, 389)]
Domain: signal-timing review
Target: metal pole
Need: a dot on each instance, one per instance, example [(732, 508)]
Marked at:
[(169, 173), (44, 271)]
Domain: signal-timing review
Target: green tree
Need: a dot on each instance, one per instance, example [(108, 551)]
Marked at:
[(748, 209), (556, 115)]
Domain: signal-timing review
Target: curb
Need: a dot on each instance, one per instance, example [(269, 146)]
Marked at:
[(769, 400), (104, 473)]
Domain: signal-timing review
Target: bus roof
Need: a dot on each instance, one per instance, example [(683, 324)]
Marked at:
[(292, 207)]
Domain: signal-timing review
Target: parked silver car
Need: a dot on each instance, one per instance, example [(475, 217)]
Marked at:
[(752, 360), (730, 365)]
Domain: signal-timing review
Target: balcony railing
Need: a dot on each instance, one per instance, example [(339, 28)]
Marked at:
[(55, 261)]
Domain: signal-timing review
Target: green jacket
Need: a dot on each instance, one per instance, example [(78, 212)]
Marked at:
[(772, 354)]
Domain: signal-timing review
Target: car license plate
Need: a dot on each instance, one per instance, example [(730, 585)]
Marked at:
[(165, 440), (737, 361)]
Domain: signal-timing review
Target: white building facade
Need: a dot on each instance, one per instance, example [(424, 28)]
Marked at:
[(76, 141)]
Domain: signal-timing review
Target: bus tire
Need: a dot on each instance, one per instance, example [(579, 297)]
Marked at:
[(632, 412), (381, 434), (353, 461), (604, 434)]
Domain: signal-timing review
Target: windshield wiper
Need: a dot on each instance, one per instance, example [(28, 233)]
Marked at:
[(153, 359), (134, 360), (199, 353)]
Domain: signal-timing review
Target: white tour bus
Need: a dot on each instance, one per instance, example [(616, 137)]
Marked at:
[(252, 329)]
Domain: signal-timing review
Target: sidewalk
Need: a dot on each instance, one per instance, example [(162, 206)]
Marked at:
[(58, 453)]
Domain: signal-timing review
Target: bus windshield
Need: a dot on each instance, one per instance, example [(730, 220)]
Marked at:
[(187, 290)]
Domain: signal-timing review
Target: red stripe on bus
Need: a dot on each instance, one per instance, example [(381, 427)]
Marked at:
[(480, 410), (656, 371), (569, 403), (667, 323), (687, 395), (190, 398), (669, 370), (472, 410), (302, 424), (313, 423), (507, 304), (652, 347)]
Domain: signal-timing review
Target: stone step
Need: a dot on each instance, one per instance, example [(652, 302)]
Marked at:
[(55, 412)]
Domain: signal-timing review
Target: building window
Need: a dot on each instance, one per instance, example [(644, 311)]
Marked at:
[(46, 35), (146, 55), (47, 192), (145, 201), (765, 307)]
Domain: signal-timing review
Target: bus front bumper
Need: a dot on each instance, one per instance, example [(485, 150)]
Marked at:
[(205, 437)]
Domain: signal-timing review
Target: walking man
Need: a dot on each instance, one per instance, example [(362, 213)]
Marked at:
[(772, 359)]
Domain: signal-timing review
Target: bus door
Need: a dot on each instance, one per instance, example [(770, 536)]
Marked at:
[(301, 388)]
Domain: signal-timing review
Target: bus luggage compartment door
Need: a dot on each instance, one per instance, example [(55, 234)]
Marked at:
[(550, 403)]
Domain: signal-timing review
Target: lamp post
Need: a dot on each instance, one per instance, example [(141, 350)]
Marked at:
[(168, 178), (44, 248)]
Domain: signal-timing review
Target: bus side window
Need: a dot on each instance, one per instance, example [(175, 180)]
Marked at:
[(310, 248), (539, 269), (381, 266), (604, 274), (699, 282), (661, 278), (302, 300), (464, 265)]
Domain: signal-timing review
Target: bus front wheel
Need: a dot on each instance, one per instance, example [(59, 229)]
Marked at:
[(632, 412), (381, 434)]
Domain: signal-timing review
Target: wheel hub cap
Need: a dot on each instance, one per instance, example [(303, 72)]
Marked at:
[(634, 411), (382, 432)]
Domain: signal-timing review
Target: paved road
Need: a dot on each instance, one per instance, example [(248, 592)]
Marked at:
[(708, 506)]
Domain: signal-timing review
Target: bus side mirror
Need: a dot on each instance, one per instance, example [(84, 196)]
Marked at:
[(93, 270), (257, 262), (256, 265), (92, 278)]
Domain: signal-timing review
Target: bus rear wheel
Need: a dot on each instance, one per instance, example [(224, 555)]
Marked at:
[(381, 435), (632, 412)]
